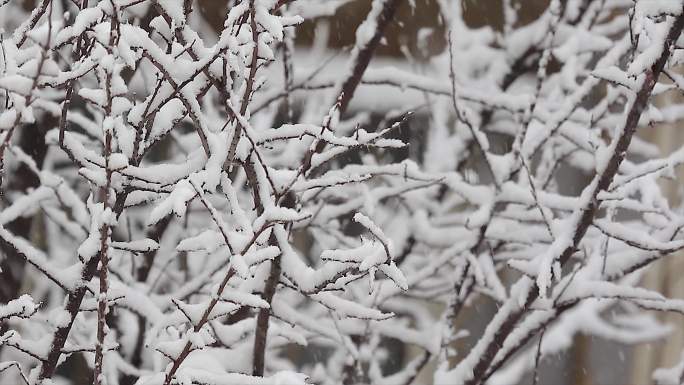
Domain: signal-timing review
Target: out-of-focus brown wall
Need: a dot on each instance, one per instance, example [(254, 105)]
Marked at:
[(409, 20)]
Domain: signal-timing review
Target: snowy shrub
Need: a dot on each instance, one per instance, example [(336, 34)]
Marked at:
[(191, 204)]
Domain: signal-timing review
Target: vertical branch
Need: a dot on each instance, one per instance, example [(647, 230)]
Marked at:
[(288, 74), (102, 306), (249, 85), (478, 137), (261, 332), (537, 358), (263, 318)]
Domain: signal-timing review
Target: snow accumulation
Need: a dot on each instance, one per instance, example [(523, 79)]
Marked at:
[(191, 196)]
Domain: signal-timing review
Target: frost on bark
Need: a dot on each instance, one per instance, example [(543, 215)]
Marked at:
[(186, 205)]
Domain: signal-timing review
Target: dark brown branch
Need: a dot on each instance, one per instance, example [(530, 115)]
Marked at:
[(366, 52), (263, 318), (249, 86)]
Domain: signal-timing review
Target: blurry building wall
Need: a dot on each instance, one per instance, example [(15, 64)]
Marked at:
[(665, 276)]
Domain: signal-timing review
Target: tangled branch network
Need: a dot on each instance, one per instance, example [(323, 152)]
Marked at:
[(191, 203)]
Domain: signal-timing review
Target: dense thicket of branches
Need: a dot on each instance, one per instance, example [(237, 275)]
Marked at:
[(186, 206)]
